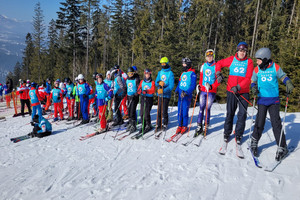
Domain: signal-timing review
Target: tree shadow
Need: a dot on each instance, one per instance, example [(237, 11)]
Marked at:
[(58, 131)]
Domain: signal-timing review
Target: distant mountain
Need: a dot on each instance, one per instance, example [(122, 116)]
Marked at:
[(12, 43)]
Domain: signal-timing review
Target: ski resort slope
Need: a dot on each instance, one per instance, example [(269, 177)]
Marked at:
[(63, 167)]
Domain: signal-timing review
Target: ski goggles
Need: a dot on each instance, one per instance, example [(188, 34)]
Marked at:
[(210, 53), (130, 74), (147, 71), (163, 64)]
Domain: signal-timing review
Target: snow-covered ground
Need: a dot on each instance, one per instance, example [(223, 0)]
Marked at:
[(63, 167)]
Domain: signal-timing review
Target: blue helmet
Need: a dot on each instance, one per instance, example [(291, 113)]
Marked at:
[(58, 80), (134, 68), (33, 84)]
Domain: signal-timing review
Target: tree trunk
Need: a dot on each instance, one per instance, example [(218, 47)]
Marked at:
[(255, 27), (291, 18)]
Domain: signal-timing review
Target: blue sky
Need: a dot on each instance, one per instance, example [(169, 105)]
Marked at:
[(24, 9)]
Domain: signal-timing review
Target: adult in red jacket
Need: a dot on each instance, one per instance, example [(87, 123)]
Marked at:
[(23, 91), (238, 84)]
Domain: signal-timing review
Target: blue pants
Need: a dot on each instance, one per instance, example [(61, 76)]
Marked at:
[(84, 102), (183, 110), (37, 109), (202, 101)]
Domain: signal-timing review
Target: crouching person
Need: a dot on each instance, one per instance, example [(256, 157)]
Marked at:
[(41, 127)]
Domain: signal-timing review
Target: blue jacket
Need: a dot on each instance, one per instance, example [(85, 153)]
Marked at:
[(167, 76), (103, 93), (45, 126), (48, 88), (193, 83)]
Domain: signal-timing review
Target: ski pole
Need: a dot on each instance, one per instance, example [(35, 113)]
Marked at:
[(283, 123), (143, 128), (192, 115), (250, 129), (157, 116), (162, 109), (206, 112), (137, 118)]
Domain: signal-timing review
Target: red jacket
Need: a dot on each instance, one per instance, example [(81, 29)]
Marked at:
[(42, 93), (25, 92), (243, 82), (214, 85)]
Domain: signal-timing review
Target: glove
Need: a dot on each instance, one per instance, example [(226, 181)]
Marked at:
[(219, 77), (58, 98), (160, 91), (198, 89), (107, 99), (161, 83), (32, 123), (289, 87), (235, 89), (254, 90), (21, 92), (208, 86), (84, 96), (144, 92), (183, 94)]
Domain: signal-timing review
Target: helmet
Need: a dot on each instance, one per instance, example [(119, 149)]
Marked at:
[(242, 46), (187, 61), (23, 81), (57, 80), (164, 60), (263, 53), (28, 81), (134, 68), (36, 118), (76, 79), (130, 69), (61, 85), (147, 70), (116, 67), (100, 76), (95, 75), (67, 80), (209, 52), (80, 76), (33, 84), (107, 73)]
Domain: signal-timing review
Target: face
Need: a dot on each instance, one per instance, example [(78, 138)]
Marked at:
[(184, 65), (258, 61), (108, 76), (80, 80), (241, 54), (147, 75), (56, 85), (209, 58), (99, 80)]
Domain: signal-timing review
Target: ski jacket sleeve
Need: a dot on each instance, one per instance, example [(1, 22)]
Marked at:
[(157, 79), (139, 90), (88, 90), (169, 87), (193, 84), (109, 90)]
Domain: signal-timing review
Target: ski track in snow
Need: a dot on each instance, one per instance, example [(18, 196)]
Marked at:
[(63, 167)]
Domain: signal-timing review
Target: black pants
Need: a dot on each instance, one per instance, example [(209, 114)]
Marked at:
[(132, 103), (146, 104), (275, 121), (163, 102), (77, 111), (27, 102), (231, 107), (118, 100)]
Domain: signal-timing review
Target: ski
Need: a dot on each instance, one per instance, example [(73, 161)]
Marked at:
[(200, 141), (157, 136), (124, 136), (115, 136), (273, 165), (223, 148), (88, 136), (255, 158), (178, 136), (172, 137), (21, 138), (239, 151), (148, 136)]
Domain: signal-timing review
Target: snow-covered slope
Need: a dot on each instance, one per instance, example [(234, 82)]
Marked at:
[(63, 167)]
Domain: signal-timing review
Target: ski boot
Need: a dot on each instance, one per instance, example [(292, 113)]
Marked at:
[(253, 146), (164, 127), (128, 125), (147, 128), (132, 128), (55, 119), (178, 130), (184, 130), (281, 153), (199, 130)]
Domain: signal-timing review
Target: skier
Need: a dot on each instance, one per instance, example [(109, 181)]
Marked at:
[(208, 80), (146, 89), (23, 91), (238, 84), (77, 100), (104, 93), (42, 93), (48, 91), (41, 127), (7, 92), (35, 103), (109, 111), (186, 86), (119, 87), (70, 98), (57, 96), (165, 84), (132, 84), (265, 84), (83, 93)]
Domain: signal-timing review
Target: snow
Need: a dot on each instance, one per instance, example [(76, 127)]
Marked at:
[(63, 167)]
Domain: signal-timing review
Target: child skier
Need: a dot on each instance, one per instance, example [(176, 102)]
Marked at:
[(186, 86), (265, 84), (35, 103), (146, 89), (109, 111), (57, 96), (70, 98), (165, 84), (83, 93), (42, 127), (132, 83), (208, 80), (23, 91), (103, 95)]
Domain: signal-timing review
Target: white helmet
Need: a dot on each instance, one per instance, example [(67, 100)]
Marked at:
[(80, 76), (61, 85), (107, 73)]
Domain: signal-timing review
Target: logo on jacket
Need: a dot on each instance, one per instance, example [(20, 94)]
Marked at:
[(184, 77), (130, 85), (207, 72), (146, 87), (163, 78)]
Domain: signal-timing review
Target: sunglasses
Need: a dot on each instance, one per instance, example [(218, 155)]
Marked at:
[(210, 53), (163, 64)]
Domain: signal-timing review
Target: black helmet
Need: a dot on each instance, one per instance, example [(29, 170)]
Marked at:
[(95, 75), (100, 76), (116, 67), (23, 82), (68, 80), (187, 61), (33, 84), (130, 69), (36, 118)]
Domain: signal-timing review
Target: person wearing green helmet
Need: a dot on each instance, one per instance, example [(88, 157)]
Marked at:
[(165, 84)]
